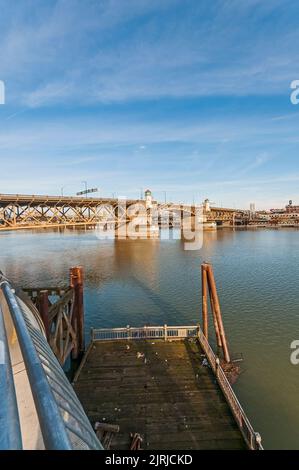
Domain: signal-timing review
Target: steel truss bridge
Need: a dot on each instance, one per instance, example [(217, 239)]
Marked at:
[(38, 211)]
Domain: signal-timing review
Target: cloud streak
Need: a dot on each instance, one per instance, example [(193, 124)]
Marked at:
[(174, 95), (115, 51)]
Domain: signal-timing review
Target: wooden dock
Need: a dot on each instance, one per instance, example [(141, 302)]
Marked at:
[(162, 388)]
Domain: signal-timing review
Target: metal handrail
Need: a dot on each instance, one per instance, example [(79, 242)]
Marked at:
[(252, 438), (62, 420), (146, 332), (52, 427), (10, 435)]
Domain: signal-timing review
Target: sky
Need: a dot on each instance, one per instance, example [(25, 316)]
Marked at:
[(189, 98)]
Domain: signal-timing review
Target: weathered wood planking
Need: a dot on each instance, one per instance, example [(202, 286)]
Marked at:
[(171, 399)]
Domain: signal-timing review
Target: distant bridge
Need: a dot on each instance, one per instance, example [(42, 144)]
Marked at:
[(38, 211), (220, 215)]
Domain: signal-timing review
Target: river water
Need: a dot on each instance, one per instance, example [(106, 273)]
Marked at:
[(142, 282)]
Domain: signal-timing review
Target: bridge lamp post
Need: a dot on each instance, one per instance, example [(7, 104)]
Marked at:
[(85, 183)]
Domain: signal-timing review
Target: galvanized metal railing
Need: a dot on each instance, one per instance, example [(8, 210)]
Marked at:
[(62, 420), (147, 332), (252, 438), (10, 432)]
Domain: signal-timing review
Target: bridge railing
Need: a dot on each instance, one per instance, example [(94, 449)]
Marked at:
[(62, 420)]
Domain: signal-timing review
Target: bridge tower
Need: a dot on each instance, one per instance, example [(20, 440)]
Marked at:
[(148, 199), (206, 206)]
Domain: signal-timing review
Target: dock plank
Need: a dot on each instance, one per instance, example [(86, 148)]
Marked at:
[(166, 395)]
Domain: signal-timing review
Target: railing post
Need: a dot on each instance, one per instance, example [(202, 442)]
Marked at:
[(76, 282), (165, 332), (217, 364), (43, 307), (258, 441)]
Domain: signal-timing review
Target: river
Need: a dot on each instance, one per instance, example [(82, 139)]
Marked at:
[(142, 282)]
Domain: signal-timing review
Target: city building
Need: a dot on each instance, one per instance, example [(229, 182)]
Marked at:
[(292, 209)]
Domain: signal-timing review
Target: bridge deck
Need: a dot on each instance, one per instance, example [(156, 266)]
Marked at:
[(167, 396), (37, 200)]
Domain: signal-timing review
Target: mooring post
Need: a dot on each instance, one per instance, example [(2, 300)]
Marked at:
[(76, 282), (204, 299), (43, 307), (218, 315), (215, 322)]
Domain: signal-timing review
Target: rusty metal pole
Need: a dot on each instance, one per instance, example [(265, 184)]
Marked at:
[(204, 299), (76, 282), (218, 312), (216, 327), (43, 307)]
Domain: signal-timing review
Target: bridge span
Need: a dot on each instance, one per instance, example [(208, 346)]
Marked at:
[(19, 211)]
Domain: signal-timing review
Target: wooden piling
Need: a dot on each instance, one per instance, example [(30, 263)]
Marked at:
[(205, 290), (76, 282), (43, 307), (217, 311), (215, 322), (204, 281)]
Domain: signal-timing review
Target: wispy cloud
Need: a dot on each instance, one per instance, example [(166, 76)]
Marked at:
[(114, 51), (178, 96)]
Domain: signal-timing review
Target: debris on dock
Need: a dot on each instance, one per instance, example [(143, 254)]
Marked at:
[(172, 401)]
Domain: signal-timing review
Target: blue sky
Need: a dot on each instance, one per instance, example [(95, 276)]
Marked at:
[(191, 97)]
